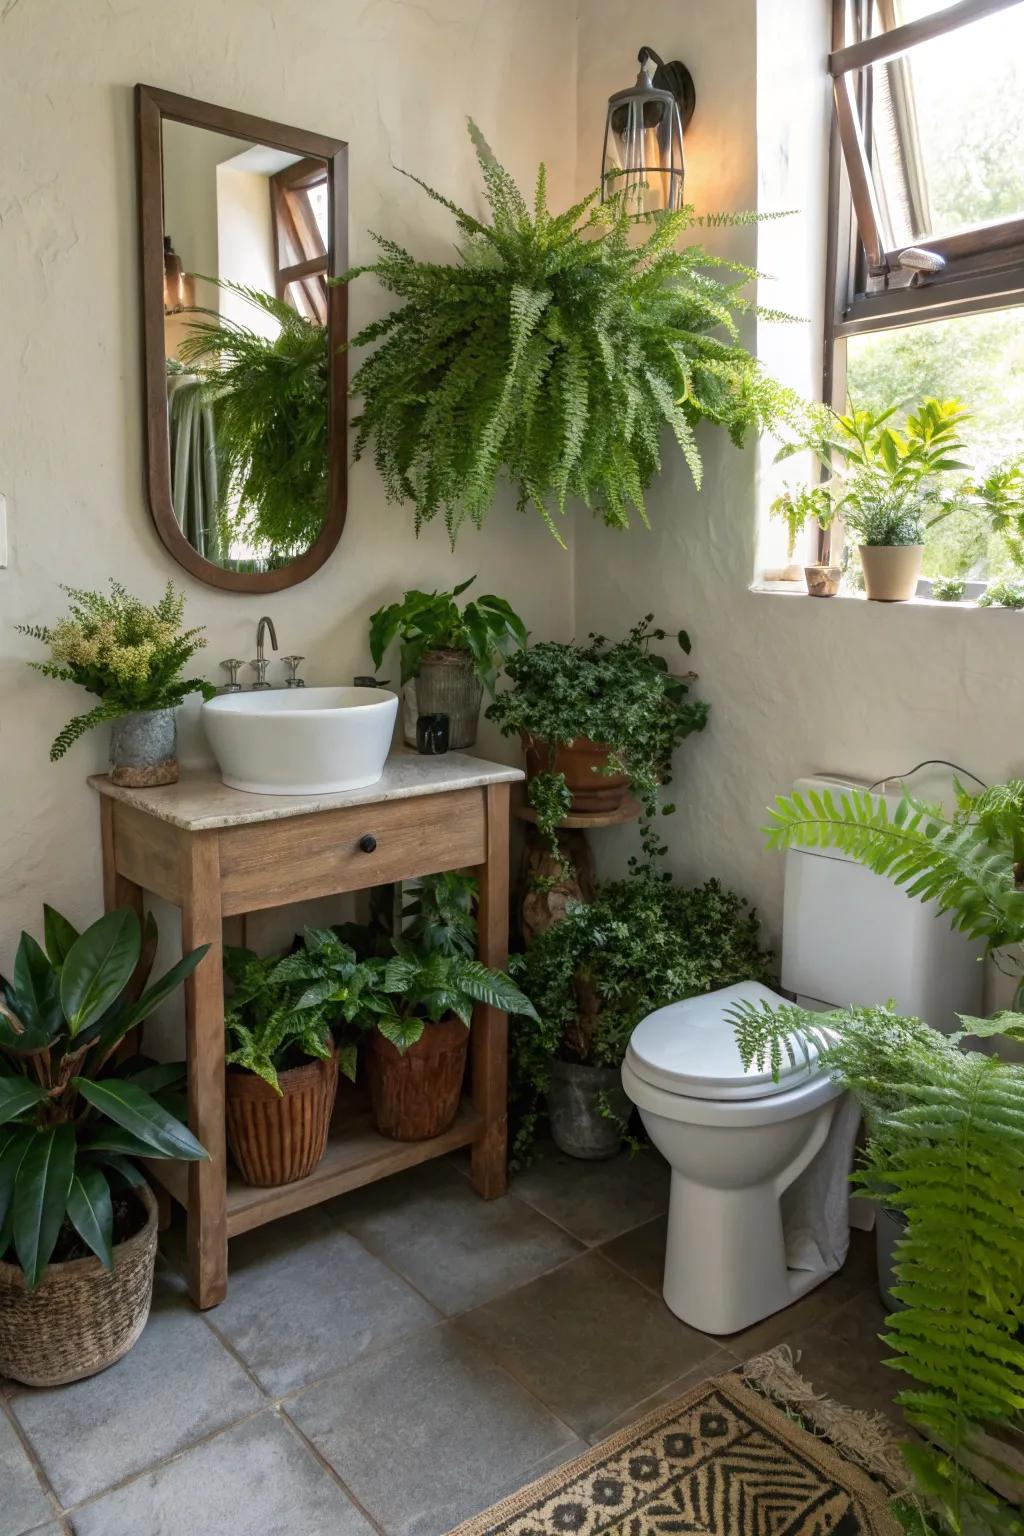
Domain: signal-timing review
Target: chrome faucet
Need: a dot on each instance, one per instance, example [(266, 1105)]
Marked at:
[(259, 666)]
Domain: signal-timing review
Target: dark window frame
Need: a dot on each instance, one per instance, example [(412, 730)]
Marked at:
[(294, 226)]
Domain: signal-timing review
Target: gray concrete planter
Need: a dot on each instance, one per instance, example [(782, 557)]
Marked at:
[(144, 749), (576, 1098)]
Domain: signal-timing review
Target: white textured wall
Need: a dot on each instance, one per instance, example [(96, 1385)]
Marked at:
[(796, 684), (394, 79)]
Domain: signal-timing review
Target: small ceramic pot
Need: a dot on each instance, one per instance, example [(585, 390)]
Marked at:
[(891, 571), (144, 749), (432, 734), (588, 1109), (823, 580)]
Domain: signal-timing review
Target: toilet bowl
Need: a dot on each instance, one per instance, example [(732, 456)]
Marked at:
[(735, 1141)]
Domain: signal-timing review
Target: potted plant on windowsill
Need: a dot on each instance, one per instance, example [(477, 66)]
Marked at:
[(131, 657), (77, 1221), (597, 720), (448, 655), (797, 507), (283, 1058), (640, 944)]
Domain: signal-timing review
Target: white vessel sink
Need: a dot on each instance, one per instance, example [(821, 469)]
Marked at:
[(301, 741)]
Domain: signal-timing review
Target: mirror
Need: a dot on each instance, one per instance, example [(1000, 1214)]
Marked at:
[(242, 223)]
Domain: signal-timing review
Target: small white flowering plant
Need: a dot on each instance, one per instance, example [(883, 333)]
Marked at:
[(129, 655)]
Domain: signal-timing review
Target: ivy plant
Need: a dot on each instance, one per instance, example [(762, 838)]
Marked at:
[(619, 693), (74, 1115), (592, 977), (486, 628), (553, 351)]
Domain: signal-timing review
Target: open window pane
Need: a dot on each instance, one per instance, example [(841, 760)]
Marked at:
[(978, 359), (947, 128)]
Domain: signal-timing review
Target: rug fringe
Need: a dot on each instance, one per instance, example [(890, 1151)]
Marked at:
[(866, 1438)]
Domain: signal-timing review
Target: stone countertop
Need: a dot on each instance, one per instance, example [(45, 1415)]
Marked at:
[(200, 802)]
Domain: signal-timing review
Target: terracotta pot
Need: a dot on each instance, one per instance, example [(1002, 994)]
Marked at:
[(446, 684), (415, 1093), (891, 571), (81, 1317), (579, 761), (278, 1138), (823, 580)]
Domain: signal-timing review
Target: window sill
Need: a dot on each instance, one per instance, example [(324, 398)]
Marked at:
[(923, 599)]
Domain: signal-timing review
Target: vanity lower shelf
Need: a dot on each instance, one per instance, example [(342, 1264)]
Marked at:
[(356, 1155)]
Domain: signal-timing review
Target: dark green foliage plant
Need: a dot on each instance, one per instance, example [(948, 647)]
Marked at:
[(128, 655), (555, 351), (971, 864), (639, 945), (269, 397), (486, 628), (276, 1015), (619, 693), (74, 1115), (439, 914), (946, 1149)]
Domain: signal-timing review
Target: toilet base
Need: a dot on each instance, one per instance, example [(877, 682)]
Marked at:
[(725, 1259)]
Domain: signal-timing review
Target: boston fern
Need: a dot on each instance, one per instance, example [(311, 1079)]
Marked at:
[(945, 1148), (555, 350), (129, 655), (73, 1115)]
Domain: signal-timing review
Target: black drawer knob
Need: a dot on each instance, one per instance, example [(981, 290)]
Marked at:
[(368, 842)]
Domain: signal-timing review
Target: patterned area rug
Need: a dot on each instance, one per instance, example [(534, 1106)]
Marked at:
[(721, 1461)]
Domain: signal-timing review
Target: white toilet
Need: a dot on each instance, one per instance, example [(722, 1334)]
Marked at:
[(735, 1140)]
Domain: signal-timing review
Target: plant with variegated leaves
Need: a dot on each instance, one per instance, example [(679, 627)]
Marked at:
[(74, 1115)]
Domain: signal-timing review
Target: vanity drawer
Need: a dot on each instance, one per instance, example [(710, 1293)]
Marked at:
[(271, 863)]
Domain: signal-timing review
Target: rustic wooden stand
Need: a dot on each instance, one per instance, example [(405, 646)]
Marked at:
[(216, 852)]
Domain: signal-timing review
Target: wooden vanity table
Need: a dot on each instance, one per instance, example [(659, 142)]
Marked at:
[(217, 852)]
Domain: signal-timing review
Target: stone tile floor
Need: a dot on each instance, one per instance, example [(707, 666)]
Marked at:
[(398, 1359)]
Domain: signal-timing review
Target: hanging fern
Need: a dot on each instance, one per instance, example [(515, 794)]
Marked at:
[(946, 1149), (554, 351)]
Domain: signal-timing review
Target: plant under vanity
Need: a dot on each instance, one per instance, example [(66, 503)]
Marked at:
[(553, 352)]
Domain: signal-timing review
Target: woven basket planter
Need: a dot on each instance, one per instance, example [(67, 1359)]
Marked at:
[(415, 1093), (276, 1138), (81, 1317)]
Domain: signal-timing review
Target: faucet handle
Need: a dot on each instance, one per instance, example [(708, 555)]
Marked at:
[(292, 663), (231, 667), (259, 666)]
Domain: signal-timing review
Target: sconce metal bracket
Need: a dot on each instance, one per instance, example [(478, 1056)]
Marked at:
[(675, 77)]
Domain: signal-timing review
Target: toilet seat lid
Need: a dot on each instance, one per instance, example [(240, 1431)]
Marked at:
[(690, 1048)]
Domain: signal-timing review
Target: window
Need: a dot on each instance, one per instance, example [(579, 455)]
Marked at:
[(926, 229), (298, 200)]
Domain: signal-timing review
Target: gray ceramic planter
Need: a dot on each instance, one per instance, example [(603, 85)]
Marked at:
[(576, 1098), (144, 749)]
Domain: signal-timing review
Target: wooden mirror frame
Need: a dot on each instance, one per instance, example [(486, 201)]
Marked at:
[(152, 106)]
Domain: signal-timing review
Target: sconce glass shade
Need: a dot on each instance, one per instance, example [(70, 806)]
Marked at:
[(643, 147), (179, 291)]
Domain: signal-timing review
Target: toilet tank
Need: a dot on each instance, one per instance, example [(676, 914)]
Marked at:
[(851, 936)]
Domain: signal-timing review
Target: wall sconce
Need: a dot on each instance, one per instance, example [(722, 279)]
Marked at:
[(179, 290), (643, 141)]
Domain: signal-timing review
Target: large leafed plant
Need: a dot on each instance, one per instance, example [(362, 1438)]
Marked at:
[(554, 351)]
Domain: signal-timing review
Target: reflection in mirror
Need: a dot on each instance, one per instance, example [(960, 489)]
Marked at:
[(246, 258)]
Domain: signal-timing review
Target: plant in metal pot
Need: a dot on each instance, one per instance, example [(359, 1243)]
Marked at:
[(553, 352), (945, 1149), (283, 1058), (452, 653), (131, 657), (639, 945), (596, 720), (77, 1222)]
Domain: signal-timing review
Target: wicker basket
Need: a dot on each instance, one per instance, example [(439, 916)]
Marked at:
[(276, 1138), (81, 1317)]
